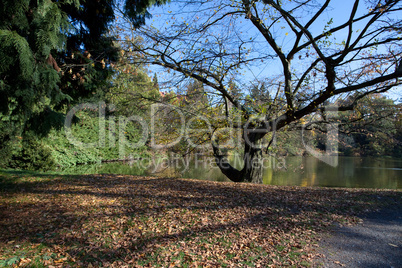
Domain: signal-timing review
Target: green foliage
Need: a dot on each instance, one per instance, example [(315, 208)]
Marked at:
[(10, 140), (13, 43), (29, 32), (55, 150), (43, 122), (32, 156), (196, 95), (371, 129), (290, 142), (86, 131), (132, 91), (26, 44), (52, 54), (10, 262)]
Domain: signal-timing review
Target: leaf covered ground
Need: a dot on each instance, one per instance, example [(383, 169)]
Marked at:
[(130, 221)]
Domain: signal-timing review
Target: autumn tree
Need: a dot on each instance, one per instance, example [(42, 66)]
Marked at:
[(131, 89), (310, 55)]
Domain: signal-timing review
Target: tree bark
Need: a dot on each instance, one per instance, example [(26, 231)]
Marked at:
[(253, 165), (253, 161), (52, 62)]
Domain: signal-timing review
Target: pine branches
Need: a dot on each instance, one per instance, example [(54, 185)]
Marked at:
[(48, 20), (13, 43)]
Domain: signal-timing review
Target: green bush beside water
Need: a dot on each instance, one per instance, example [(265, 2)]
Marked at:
[(55, 150)]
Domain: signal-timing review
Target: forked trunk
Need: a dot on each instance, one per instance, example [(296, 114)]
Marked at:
[(252, 170)]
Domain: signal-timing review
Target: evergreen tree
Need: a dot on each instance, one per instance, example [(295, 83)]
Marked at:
[(53, 53), (196, 94), (30, 31), (155, 81)]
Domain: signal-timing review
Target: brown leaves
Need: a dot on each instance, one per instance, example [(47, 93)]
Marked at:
[(117, 221)]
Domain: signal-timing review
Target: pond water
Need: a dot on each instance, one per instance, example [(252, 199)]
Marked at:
[(352, 172)]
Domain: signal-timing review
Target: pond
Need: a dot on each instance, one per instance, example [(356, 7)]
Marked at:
[(351, 172)]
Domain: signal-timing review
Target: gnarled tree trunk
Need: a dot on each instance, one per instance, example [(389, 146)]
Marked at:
[(252, 170)]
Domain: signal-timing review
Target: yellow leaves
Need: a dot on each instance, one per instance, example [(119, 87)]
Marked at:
[(24, 262), (61, 260)]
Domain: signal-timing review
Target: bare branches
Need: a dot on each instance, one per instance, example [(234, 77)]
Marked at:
[(350, 32), (219, 39)]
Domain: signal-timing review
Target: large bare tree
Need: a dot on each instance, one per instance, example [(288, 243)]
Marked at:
[(306, 54)]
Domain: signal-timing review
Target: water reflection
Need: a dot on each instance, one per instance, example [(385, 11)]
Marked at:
[(353, 172)]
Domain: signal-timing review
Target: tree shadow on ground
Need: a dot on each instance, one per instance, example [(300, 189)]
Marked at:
[(374, 243), (119, 219)]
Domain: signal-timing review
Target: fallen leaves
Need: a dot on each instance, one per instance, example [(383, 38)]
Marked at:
[(117, 221)]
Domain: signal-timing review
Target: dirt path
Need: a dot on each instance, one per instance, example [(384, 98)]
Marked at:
[(377, 242)]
